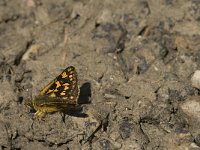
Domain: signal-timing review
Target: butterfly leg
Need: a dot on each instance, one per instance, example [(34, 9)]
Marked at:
[(40, 115)]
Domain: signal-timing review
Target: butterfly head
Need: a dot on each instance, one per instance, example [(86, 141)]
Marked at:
[(29, 102)]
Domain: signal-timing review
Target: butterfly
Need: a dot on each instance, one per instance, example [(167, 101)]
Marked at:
[(60, 94)]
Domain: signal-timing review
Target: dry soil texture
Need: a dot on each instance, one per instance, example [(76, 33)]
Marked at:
[(134, 58)]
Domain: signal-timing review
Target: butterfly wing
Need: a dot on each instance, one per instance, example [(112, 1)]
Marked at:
[(65, 86)]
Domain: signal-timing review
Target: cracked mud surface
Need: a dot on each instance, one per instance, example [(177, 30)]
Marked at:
[(135, 60)]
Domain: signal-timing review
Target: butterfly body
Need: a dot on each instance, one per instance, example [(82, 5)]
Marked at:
[(60, 94)]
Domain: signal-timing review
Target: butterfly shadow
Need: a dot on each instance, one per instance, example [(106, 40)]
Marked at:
[(84, 98), (76, 112), (85, 94)]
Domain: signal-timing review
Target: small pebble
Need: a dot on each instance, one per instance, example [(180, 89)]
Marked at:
[(109, 96), (191, 107), (196, 79)]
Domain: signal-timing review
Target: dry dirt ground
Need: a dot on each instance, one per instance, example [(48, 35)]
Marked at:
[(134, 58)]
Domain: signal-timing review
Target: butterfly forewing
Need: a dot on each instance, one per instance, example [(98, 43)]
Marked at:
[(64, 86)]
